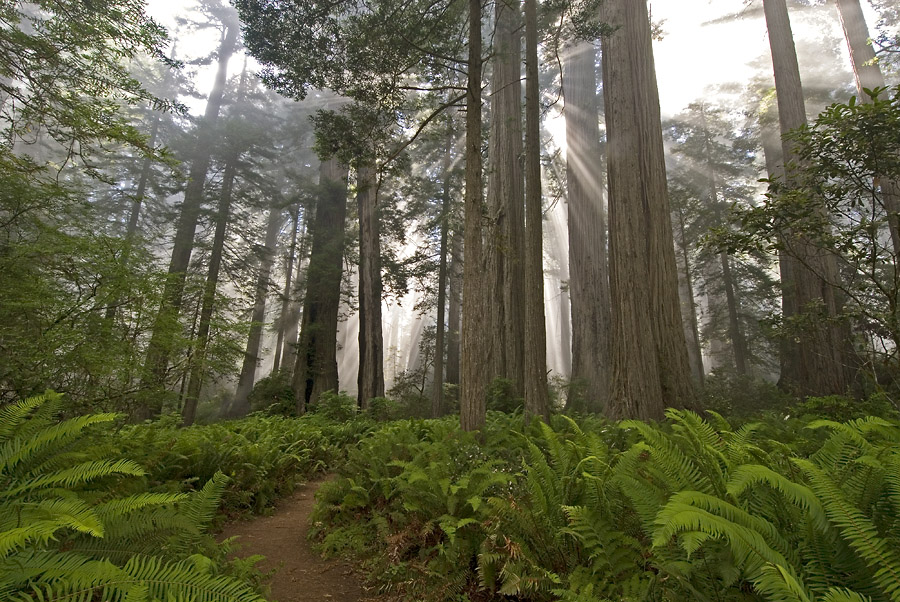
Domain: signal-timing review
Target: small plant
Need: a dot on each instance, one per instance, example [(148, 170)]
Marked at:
[(273, 395), (339, 407)]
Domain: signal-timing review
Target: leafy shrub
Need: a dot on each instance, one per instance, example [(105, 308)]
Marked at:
[(66, 534), (383, 409), (273, 395), (339, 407), (502, 397)]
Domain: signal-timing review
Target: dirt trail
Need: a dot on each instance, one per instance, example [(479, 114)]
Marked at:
[(301, 574)]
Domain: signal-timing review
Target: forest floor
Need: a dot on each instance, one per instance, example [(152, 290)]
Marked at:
[(300, 574)]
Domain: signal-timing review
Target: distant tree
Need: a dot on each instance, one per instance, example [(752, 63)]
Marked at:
[(160, 347)]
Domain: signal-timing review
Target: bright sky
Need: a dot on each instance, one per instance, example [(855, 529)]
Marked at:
[(701, 45)]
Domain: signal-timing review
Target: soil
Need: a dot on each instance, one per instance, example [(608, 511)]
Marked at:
[(301, 575)]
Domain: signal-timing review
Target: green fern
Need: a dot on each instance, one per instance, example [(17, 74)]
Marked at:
[(63, 540)]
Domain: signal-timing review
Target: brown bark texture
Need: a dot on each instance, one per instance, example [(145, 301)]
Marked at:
[(650, 360), (370, 378), (475, 347), (454, 306), (506, 200), (537, 397), (315, 370), (588, 261)]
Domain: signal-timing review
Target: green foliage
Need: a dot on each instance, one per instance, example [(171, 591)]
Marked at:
[(264, 456), (501, 396), (65, 534), (339, 407), (690, 509), (273, 395)]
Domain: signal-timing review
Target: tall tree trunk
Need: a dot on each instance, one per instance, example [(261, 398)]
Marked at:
[(506, 199), (868, 76), (475, 347), (787, 347), (824, 349), (158, 351), (286, 295), (688, 305), (240, 405), (738, 343), (588, 261), (437, 390), (650, 360), (370, 380), (315, 370), (537, 397), (298, 293), (454, 306), (198, 365)]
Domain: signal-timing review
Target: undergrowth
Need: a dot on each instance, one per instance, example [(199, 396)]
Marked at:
[(782, 509)]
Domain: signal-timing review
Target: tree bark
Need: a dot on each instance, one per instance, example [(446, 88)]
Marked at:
[(454, 306), (823, 358), (650, 361), (159, 349), (475, 347), (370, 379), (315, 370), (588, 261), (506, 199), (537, 398)]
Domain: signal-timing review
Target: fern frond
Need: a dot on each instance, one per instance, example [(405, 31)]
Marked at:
[(857, 530), (799, 495)]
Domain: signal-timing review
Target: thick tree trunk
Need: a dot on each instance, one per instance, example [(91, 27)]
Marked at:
[(370, 379), (437, 389), (868, 76), (454, 307), (159, 349), (688, 305), (537, 398), (198, 365), (650, 360), (588, 261), (240, 405), (475, 347), (506, 199), (286, 295), (315, 370), (823, 365)]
